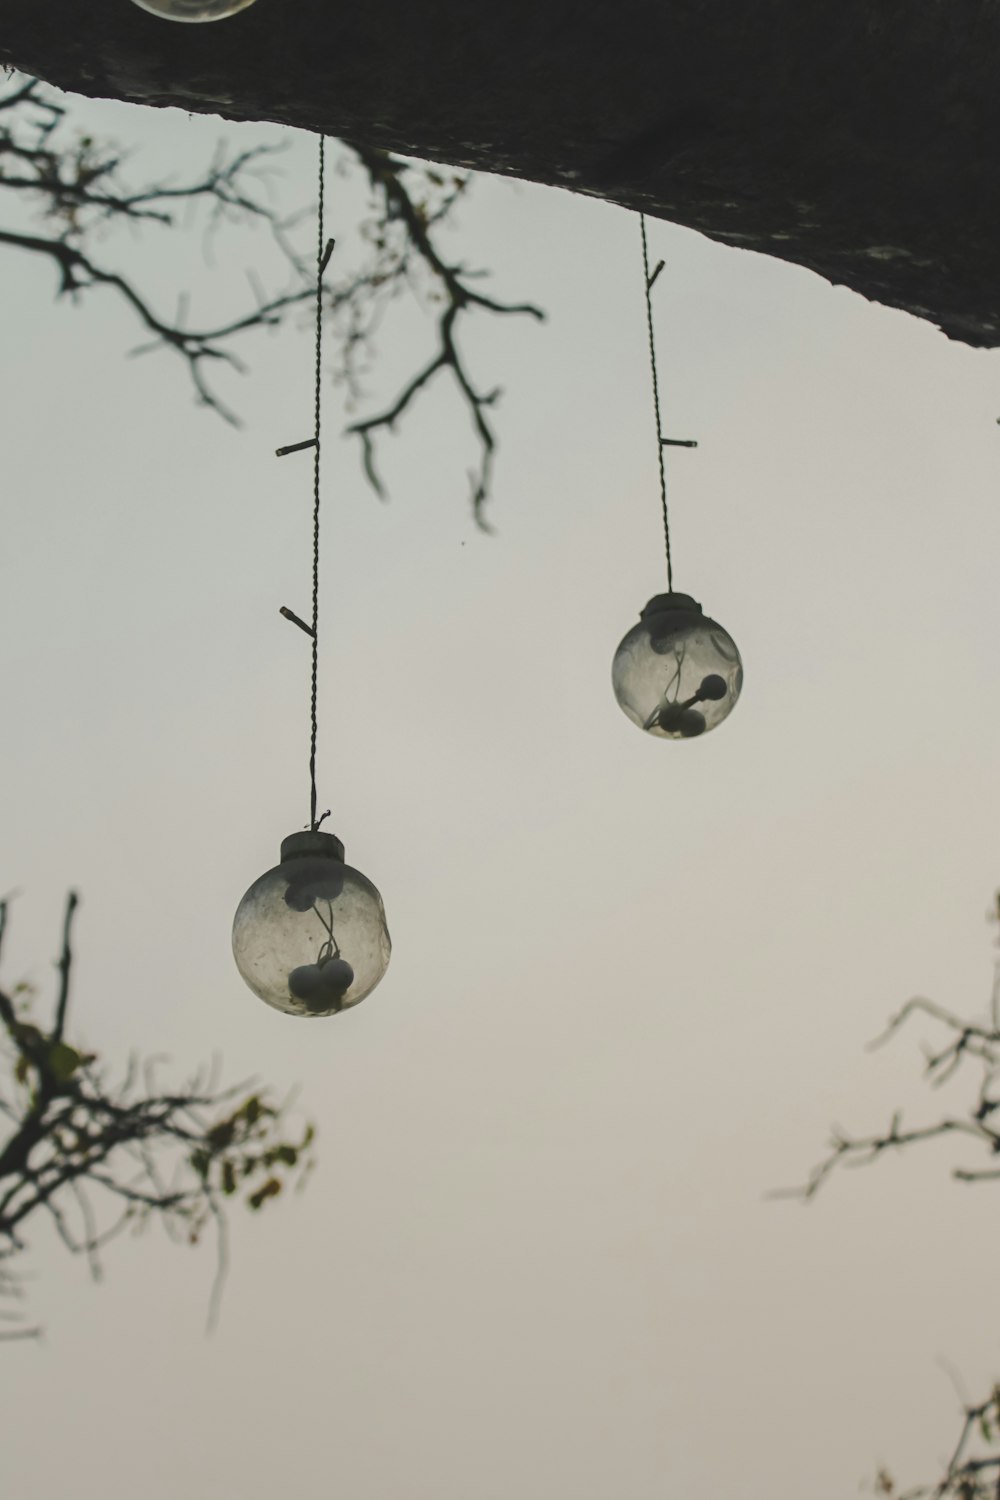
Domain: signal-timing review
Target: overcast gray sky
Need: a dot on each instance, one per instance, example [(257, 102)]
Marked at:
[(632, 981)]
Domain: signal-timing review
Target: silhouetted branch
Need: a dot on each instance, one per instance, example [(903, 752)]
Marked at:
[(861, 1151), (973, 1470), (455, 295), (969, 1474), (964, 1040), (64, 965), (78, 188), (79, 1147)]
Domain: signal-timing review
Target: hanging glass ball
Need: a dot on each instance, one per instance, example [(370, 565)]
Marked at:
[(193, 10), (677, 673), (309, 937)]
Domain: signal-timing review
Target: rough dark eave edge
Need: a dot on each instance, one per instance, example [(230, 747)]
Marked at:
[(854, 139)]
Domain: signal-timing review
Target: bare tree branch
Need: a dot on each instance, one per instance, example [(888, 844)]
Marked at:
[(79, 1147), (973, 1470), (78, 189), (386, 174), (970, 1473)]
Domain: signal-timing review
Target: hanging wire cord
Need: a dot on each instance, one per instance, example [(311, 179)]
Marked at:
[(322, 256), (647, 281), (324, 249)]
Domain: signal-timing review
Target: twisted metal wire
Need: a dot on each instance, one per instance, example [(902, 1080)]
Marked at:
[(314, 715), (647, 282)]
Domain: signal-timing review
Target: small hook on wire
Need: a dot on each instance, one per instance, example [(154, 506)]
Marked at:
[(659, 267), (678, 443)]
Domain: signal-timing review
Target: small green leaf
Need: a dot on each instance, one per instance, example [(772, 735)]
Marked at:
[(270, 1189), (220, 1136), (62, 1061), (252, 1110)]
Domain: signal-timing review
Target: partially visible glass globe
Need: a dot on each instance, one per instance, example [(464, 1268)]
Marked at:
[(309, 937), (193, 10), (677, 673)]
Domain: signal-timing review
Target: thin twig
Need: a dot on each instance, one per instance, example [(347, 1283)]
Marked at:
[(173, 1155), (386, 174)]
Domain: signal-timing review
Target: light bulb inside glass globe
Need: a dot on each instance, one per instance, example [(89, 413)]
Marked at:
[(193, 10), (677, 673), (309, 937)]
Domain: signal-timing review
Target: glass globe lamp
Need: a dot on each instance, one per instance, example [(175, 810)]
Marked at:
[(309, 937), (677, 673), (193, 10)]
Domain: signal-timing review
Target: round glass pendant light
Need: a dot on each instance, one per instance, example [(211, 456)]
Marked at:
[(193, 10), (677, 673), (310, 937)]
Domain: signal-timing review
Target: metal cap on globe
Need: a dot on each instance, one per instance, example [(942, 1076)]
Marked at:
[(677, 673), (193, 10), (310, 937)]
